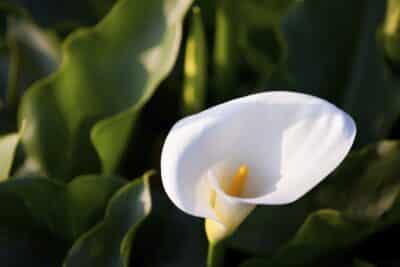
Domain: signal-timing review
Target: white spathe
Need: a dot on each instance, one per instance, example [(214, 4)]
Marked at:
[(289, 141)]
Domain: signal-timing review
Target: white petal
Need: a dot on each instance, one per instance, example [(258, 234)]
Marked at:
[(289, 141)]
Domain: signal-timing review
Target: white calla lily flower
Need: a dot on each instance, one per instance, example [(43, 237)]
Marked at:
[(264, 149)]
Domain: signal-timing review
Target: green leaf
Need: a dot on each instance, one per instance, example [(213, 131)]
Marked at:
[(366, 185), (264, 12), (108, 73), (264, 48), (268, 227), (195, 68), (8, 145), (121, 125), (334, 53), (109, 242), (337, 233), (323, 45), (324, 233), (260, 35), (63, 210), (85, 200)]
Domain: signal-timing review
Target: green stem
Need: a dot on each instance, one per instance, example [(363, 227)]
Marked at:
[(216, 252), (195, 66), (225, 49)]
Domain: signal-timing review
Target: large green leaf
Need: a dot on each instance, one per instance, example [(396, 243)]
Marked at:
[(62, 210), (109, 243), (364, 188), (108, 73), (8, 145), (334, 53)]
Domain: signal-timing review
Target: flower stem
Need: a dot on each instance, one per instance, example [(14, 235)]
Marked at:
[(216, 252), (225, 49), (195, 66)]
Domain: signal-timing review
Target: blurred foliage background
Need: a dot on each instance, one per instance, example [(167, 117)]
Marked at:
[(89, 89)]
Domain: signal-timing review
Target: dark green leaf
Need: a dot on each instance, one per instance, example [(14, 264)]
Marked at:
[(260, 37), (169, 237), (366, 185), (264, 12), (324, 233), (41, 251), (63, 210), (10, 8), (108, 73), (268, 227), (85, 200), (109, 242), (333, 53)]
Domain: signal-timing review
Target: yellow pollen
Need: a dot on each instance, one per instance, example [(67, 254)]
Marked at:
[(238, 181)]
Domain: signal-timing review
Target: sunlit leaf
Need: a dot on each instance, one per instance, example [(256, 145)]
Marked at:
[(108, 73)]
